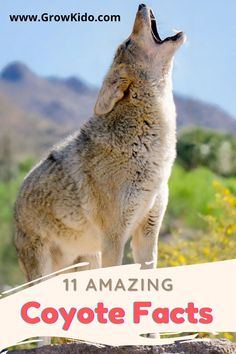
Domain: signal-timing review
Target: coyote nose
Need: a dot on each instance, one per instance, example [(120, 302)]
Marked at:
[(141, 6)]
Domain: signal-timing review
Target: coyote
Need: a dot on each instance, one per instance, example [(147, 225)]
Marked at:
[(109, 181)]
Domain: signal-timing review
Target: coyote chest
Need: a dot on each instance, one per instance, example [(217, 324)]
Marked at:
[(128, 172)]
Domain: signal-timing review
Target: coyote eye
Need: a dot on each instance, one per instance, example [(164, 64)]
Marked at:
[(127, 43)]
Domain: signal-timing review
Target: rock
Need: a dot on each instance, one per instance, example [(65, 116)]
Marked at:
[(201, 347)]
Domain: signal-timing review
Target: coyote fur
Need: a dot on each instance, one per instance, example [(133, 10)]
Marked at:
[(109, 181)]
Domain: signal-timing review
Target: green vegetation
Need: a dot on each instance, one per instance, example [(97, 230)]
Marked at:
[(10, 273), (201, 147), (191, 193)]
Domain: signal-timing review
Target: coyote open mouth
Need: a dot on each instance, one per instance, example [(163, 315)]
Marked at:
[(154, 29)]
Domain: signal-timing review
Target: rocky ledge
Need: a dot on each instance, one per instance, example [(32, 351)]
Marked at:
[(199, 347)]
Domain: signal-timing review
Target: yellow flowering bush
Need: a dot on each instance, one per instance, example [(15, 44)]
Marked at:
[(217, 243)]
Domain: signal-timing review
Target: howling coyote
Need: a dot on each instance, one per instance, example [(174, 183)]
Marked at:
[(109, 181)]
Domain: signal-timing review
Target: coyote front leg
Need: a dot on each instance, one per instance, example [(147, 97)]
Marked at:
[(145, 237), (112, 249)]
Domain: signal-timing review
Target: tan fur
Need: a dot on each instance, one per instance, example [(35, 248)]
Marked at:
[(109, 181)]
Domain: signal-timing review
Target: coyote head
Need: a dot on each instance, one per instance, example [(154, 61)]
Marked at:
[(143, 57)]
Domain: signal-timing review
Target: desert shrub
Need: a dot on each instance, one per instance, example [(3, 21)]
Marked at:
[(202, 147)]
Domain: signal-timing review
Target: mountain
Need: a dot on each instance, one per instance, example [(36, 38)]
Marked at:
[(37, 111), (28, 134), (194, 112), (68, 101)]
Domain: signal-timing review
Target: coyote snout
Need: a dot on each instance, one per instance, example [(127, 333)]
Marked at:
[(109, 181)]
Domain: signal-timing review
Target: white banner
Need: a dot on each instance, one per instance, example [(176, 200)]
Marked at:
[(114, 306)]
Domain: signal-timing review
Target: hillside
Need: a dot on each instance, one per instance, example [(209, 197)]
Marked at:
[(68, 101), (37, 111), (27, 133), (194, 112)]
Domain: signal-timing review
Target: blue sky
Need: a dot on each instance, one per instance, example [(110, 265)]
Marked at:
[(205, 67)]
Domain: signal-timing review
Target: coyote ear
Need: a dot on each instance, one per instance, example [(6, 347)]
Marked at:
[(112, 91)]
